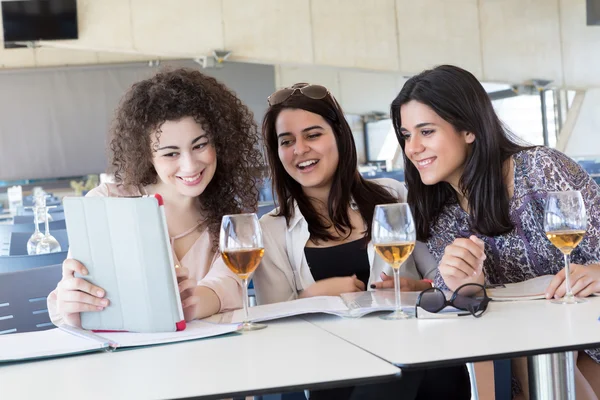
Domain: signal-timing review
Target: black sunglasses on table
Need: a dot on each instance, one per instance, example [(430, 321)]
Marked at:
[(471, 297)]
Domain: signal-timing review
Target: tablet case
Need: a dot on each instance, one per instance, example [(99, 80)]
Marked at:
[(124, 244)]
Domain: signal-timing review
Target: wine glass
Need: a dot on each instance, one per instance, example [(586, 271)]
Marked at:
[(565, 223), (37, 236), (393, 235), (241, 244), (48, 243)]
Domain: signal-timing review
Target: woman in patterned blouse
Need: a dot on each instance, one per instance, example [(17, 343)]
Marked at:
[(478, 197)]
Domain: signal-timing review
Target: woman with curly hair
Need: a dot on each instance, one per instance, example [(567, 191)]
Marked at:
[(186, 136)]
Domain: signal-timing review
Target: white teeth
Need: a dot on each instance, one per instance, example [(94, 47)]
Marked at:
[(307, 163), (191, 178), (426, 162)]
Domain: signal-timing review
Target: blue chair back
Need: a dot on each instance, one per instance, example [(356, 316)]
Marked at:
[(18, 241), (264, 209), (28, 218), (22, 210), (23, 298), (50, 201), (19, 263)]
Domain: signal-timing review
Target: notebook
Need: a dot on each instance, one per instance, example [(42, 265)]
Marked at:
[(124, 244), (66, 341)]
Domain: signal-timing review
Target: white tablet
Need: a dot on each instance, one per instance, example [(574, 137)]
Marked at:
[(124, 244)]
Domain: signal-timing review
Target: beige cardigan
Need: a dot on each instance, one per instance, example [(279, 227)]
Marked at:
[(284, 271)]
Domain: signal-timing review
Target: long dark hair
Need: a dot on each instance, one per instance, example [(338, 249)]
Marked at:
[(458, 97), (347, 181)]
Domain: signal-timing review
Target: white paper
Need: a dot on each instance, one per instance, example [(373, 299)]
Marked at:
[(49, 343), (193, 330), (527, 290)]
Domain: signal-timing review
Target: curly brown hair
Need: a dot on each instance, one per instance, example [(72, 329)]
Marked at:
[(174, 94)]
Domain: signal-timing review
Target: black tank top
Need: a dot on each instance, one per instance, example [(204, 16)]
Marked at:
[(342, 260)]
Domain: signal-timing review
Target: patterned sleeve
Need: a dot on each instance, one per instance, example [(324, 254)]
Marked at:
[(561, 173)]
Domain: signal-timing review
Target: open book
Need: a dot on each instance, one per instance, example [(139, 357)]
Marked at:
[(531, 289), (347, 305), (66, 340)]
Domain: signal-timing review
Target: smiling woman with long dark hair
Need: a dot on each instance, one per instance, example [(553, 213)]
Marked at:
[(478, 195), (318, 241)]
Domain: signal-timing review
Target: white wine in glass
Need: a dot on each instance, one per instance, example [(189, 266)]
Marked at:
[(241, 246), (393, 235), (565, 223)]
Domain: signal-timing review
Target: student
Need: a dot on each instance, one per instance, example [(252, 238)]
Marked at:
[(478, 196), (185, 136), (317, 242)]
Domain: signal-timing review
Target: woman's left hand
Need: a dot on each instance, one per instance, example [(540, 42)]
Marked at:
[(187, 292), (585, 280)]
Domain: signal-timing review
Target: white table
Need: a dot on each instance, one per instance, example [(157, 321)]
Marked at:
[(289, 355), (506, 330)]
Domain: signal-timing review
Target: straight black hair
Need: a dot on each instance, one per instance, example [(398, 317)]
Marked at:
[(347, 181), (458, 97)]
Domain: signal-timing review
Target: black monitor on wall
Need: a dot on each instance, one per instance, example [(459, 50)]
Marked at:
[(593, 12), (32, 20)]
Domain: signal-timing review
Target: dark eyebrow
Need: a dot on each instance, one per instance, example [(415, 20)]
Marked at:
[(422, 124), (310, 128), (177, 148), (417, 126), (198, 138)]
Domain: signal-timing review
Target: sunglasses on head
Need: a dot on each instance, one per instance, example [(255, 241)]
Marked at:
[(315, 92), (470, 297)]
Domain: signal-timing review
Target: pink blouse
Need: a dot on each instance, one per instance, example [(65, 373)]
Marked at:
[(205, 265)]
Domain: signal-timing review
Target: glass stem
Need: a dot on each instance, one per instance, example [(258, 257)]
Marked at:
[(569, 292), (47, 227), (36, 220), (245, 299), (397, 287)]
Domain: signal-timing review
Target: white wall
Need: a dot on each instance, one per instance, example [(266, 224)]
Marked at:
[(54, 122), (359, 92), (584, 139), (498, 40)]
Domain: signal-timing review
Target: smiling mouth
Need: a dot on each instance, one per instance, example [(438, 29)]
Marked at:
[(190, 179), (425, 162), (306, 164)]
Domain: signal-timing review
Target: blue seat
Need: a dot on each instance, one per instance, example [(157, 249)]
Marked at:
[(23, 298), (7, 229), (18, 241), (53, 225), (28, 219), (20, 263)]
